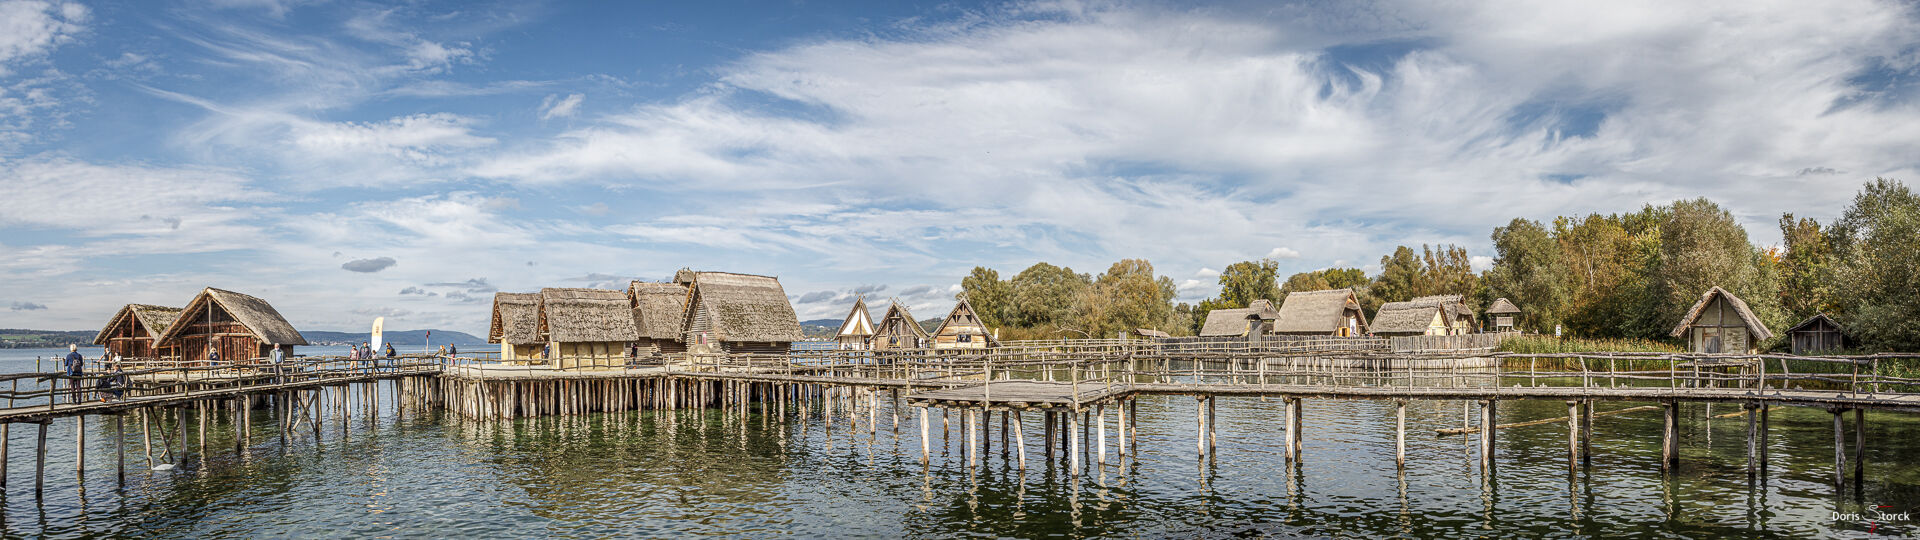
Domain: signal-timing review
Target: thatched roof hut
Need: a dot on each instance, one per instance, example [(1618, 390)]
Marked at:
[(516, 325), (1502, 306), (658, 311), (1150, 333), (1459, 316), (962, 329), (857, 330), (237, 326), (898, 329), (1721, 323), (1236, 322), (1333, 312), (587, 327), (1817, 334), (728, 312), (1410, 319), (132, 331)]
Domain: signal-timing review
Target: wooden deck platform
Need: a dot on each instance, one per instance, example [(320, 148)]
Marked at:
[(1804, 398), (1018, 395)]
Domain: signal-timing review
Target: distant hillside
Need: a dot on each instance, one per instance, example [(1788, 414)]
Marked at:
[(19, 338), (396, 337)]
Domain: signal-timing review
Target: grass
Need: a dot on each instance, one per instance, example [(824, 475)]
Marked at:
[(1548, 345)]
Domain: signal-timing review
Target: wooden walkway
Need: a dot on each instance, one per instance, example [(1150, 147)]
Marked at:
[(1019, 395)]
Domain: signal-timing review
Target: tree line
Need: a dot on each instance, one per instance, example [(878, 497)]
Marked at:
[(1623, 275)]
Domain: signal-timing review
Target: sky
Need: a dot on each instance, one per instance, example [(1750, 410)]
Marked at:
[(349, 160)]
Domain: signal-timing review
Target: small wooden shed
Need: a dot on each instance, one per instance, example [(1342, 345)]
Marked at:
[(1333, 312), (1399, 319), (1721, 323), (134, 330), (898, 330), (241, 328), (1506, 316), (739, 314), (963, 329), (658, 311), (587, 327), (1816, 335), (856, 333), (516, 326), (1257, 318)]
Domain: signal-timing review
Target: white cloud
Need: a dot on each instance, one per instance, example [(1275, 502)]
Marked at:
[(555, 106), (1283, 253), (30, 29), (1207, 272)]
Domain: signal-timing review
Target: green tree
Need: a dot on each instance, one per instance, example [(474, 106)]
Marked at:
[(1126, 297), (1243, 282), (1402, 276), (1806, 268), (991, 297), (1529, 271), (1045, 295), (1878, 257), (1701, 247)]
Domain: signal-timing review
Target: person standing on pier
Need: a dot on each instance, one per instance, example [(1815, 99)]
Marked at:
[(390, 351), (278, 358), (72, 367)]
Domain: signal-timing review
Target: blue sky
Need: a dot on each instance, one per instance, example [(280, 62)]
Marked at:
[(348, 160)]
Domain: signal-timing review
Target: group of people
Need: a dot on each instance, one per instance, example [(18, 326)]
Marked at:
[(364, 351), (110, 387)]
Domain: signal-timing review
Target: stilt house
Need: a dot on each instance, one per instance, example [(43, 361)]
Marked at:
[(134, 330), (962, 329), (658, 310), (1459, 316), (856, 334), (1397, 319), (898, 330), (739, 313), (1255, 319), (241, 328), (1506, 316), (516, 326), (1721, 323), (1334, 312), (587, 327), (1816, 335)]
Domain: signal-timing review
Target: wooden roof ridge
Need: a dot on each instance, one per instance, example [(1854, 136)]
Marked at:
[(743, 307), (1233, 321), (1317, 311), (659, 309), (1402, 317), (1817, 317), (255, 314), (154, 318), (1739, 307), (1502, 305), (860, 310)]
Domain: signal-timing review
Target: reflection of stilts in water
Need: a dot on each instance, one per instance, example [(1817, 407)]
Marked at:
[(1406, 519)]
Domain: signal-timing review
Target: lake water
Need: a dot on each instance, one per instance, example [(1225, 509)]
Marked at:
[(701, 472)]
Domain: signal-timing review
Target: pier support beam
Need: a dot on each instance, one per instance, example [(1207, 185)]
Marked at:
[(1019, 437), (1859, 446), (1400, 433), (40, 464), (1487, 423), (1670, 438), (1753, 440), (1073, 442), (1839, 448), (926, 450), (1573, 435)]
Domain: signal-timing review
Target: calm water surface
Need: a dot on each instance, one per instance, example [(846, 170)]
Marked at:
[(701, 472)]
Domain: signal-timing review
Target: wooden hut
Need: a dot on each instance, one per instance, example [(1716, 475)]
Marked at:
[(132, 331), (658, 310), (1397, 319), (1334, 312), (1454, 309), (1255, 319), (1721, 323), (898, 330), (738, 313), (1816, 335), (1505, 315), (962, 329), (856, 333), (239, 327), (586, 327), (516, 326), (1149, 333)]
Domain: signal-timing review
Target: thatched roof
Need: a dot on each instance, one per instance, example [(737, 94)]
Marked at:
[(1752, 322), (658, 308), (1233, 322), (744, 307), (586, 315), (899, 322), (155, 319), (1502, 306), (1150, 333), (685, 276), (1404, 318), (516, 318), (1455, 307), (257, 315), (859, 322), (1817, 318), (1318, 312), (962, 318)]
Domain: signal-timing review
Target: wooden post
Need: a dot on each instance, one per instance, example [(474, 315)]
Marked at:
[(119, 449), (1212, 432), (1764, 410), (1019, 437), (1100, 426), (1669, 438), (80, 445), (1586, 433), (40, 464), (1133, 423), (973, 448), (1859, 445), (1046, 433), (1200, 427), (1400, 434), (5, 430), (1753, 440), (1839, 448), (1073, 443), (1286, 421), (1298, 430), (1573, 435)]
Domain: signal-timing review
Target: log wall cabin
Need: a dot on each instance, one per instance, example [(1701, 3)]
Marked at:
[(134, 330), (242, 328)]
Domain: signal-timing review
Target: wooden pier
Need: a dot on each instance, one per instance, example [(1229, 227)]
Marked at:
[(1077, 392)]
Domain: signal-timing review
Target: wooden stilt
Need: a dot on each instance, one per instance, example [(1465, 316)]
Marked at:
[(1586, 433), (973, 448), (5, 432), (146, 437), (1100, 425), (1859, 446), (1765, 409), (1019, 438), (1046, 434), (926, 451), (1120, 418), (80, 445), (1753, 440), (119, 449), (1400, 434), (1487, 431), (1212, 432), (1200, 427), (1839, 449), (1073, 436), (40, 464), (1573, 435), (1670, 438), (1286, 421)]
